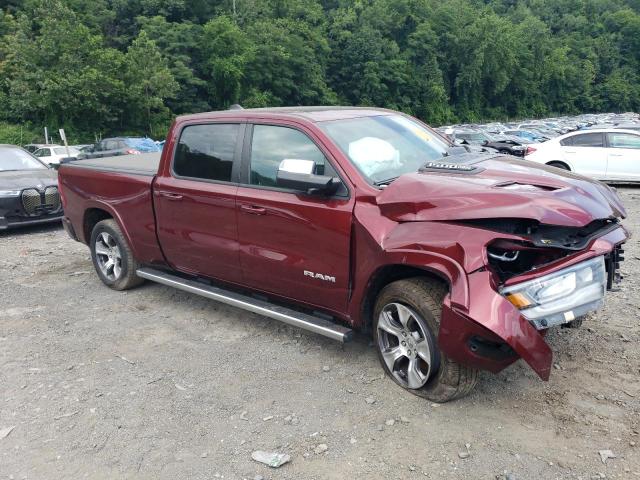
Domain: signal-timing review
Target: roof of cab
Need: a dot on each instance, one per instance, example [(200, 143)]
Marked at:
[(313, 114)]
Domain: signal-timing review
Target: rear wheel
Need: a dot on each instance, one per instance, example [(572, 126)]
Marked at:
[(406, 324), (112, 256), (560, 165)]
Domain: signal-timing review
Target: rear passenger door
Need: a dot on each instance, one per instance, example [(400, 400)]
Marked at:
[(99, 150), (623, 152), (113, 148), (585, 153), (196, 203), (292, 244)]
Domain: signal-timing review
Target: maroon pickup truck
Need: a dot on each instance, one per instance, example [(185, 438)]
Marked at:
[(336, 219)]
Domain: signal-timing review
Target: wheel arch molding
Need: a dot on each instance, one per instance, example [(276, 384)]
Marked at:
[(407, 264)]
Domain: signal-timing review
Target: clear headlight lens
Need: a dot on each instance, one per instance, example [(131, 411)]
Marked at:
[(561, 296), (9, 193)]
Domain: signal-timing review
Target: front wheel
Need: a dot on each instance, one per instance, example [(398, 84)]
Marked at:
[(406, 324), (112, 256)]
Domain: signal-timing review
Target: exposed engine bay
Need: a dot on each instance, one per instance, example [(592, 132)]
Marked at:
[(541, 244)]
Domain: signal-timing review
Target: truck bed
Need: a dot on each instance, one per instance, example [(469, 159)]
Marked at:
[(143, 164), (120, 186)]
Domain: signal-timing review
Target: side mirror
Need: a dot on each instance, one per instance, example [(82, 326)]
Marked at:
[(298, 175)]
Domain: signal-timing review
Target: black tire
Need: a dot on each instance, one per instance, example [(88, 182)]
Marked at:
[(560, 165), (447, 380), (126, 277)]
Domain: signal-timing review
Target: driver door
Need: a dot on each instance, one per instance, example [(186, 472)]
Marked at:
[(292, 244), (44, 154)]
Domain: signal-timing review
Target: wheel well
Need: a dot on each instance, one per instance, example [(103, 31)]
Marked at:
[(386, 275), (553, 163), (91, 217)]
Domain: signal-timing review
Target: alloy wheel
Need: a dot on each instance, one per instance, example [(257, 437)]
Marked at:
[(406, 345), (108, 256)]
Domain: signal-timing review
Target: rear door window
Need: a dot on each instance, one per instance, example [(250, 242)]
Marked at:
[(206, 151), (623, 140)]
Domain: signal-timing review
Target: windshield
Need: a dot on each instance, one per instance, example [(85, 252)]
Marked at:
[(386, 146), (13, 158)]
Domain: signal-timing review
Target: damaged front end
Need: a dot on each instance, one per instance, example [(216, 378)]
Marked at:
[(535, 247), (539, 276)]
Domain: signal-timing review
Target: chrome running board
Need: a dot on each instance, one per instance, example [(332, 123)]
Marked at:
[(312, 323)]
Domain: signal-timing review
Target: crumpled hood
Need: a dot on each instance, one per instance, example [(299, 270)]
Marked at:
[(20, 179), (501, 187)]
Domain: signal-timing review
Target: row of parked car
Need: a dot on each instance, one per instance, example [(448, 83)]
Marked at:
[(28, 180), (53, 154), (604, 146)]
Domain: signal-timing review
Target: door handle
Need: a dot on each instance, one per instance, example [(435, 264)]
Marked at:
[(253, 209), (615, 154), (170, 196)]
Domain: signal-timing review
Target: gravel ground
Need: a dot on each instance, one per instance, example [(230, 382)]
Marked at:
[(156, 383)]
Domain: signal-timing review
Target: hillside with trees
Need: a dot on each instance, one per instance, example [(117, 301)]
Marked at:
[(101, 67)]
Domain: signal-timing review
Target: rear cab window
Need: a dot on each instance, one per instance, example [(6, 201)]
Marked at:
[(206, 151)]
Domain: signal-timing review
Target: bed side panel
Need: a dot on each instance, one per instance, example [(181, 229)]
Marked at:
[(126, 197)]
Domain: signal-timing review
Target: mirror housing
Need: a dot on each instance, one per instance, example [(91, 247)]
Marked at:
[(298, 175)]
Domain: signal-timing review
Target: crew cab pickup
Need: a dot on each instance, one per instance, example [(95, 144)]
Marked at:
[(336, 219)]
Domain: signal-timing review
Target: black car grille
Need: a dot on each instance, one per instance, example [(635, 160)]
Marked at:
[(31, 200), (52, 198), (36, 203)]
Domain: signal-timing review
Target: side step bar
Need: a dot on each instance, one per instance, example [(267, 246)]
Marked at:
[(297, 319)]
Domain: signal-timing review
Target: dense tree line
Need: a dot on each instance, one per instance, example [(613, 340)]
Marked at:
[(127, 66)]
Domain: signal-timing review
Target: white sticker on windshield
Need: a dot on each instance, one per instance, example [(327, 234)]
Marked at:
[(374, 155)]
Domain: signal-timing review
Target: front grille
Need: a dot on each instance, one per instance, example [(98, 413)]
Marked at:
[(36, 203), (52, 198), (31, 201)]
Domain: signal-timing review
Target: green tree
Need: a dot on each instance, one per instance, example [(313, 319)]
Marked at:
[(226, 51), (149, 82)]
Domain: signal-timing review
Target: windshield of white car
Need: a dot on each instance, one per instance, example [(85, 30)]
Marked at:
[(13, 158), (386, 146)]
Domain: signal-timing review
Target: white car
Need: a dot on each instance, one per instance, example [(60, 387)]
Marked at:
[(52, 154), (604, 154)]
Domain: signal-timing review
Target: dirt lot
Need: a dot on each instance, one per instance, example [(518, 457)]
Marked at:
[(156, 383)]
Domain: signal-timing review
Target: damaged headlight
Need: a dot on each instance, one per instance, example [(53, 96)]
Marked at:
[(560, 296)]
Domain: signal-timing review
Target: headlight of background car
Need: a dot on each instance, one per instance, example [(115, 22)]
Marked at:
[(9, 193), (561, 296)]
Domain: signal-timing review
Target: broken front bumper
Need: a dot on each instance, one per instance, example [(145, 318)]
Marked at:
[(491, 333)]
